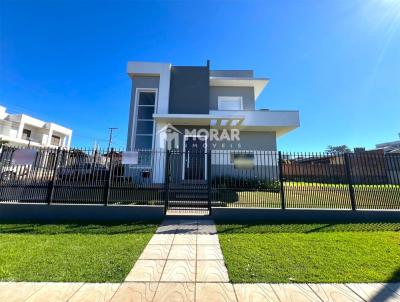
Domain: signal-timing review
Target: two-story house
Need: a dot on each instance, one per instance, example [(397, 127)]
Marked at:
[(25, 130), (193, 109)]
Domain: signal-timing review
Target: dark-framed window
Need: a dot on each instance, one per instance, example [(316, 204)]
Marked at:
[(26, 134), (55, 140), (144, 123)]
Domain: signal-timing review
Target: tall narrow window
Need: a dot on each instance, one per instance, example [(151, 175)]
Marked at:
[(144, 120)]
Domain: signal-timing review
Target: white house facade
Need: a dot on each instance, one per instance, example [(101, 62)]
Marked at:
[(24, 130)]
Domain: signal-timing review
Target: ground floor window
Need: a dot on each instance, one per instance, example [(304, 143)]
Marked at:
[(242, 160)]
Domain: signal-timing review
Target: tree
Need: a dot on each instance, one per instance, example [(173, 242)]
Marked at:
[(337, 149), (3, 142)]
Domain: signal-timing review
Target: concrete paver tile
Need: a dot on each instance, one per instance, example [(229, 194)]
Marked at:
[(175, 292), (155, 252), (167, 229), (209, 252), (95, 292), (183, 252), (211, 271), (187, 229), (207, 229), (255, 292), (188, 221), (215, 292), (394, 286), (294, 293), (185, 239), (334, 292), (161, 239), (179, 271), (135, 292), (55, 292), (374, 292), (146, 270), (18, 291)]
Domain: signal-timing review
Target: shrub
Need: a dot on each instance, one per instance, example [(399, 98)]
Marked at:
[(243, 184)]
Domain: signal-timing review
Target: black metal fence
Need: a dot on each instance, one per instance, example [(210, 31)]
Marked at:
[(188, 180)]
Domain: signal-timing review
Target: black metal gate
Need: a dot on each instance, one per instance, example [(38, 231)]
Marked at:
[(191, 181), (188, 183)]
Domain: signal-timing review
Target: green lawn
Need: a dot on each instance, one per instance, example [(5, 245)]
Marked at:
[(364, 252), (315, 195), (71, 252)]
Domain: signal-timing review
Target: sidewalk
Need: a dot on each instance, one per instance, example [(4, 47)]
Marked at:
[(183, 262)]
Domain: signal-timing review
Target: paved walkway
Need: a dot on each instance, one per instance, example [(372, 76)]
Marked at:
[(183, 262)]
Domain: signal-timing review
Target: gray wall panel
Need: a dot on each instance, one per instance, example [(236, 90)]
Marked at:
[(189, 90), (138, 82), (249, 140), (247, 93), (232, 73)]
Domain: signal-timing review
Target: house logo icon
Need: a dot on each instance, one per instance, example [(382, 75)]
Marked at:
[(169, 137)]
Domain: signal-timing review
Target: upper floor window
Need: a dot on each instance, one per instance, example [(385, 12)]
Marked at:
[(230, 103), (55, 140), (26, 134), (144, 123)]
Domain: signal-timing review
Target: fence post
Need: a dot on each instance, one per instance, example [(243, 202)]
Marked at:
[(50, 190), (350, 181), (166, 180), (107, 184), (209, 181), (94, 164), (281, 179)]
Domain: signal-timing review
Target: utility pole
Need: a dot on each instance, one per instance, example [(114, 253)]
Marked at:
[(110, 138)]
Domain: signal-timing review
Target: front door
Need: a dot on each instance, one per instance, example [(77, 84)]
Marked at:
[(194, 158)]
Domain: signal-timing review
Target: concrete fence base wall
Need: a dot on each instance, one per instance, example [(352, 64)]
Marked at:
[(300, 215), (98, 213), (95, 213)]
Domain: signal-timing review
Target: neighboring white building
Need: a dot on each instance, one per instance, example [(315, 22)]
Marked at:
[(24, 130), (390, 147)]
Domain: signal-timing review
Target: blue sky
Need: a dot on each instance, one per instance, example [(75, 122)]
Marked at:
[(338, 62)]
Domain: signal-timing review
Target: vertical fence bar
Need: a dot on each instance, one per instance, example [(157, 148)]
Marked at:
[(350, 181), (50, 191), (107, 183), (167, 180), (281, 179), (209, 180)]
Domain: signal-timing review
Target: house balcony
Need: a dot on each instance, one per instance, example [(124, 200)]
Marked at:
[(280, 121)]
